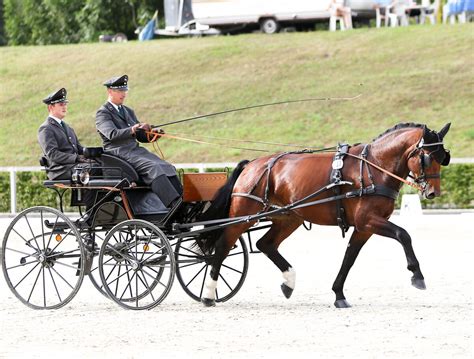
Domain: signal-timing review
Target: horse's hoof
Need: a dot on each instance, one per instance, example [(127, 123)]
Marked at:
[(418, 283), (208, 302), (287, 291), (342, 303)]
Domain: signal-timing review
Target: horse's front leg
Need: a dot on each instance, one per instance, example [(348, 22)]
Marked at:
[(357, 241), (383, 227)]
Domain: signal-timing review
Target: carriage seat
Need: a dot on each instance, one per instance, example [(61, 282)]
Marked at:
[(115, 167)]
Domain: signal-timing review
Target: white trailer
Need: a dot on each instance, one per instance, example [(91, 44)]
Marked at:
[(269, 15)]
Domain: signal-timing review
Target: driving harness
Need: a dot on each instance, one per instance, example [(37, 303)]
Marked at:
[(335, 182)]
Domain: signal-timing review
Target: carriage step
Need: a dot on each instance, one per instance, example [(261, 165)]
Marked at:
[(60, 226)]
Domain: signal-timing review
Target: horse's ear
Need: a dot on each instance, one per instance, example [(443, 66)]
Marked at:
[(447, 159), (444, 130)]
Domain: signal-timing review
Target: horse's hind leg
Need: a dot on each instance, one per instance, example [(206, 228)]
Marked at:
[(223, 247), (357, 241), (269, 244)]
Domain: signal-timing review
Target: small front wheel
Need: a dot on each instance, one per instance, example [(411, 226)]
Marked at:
[(136, 265)]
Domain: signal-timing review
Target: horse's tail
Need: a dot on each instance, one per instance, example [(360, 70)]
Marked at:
[(220, 207)]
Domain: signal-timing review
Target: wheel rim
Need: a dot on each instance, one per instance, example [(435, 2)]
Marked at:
[(136, 265), (43, 258), (269, 27), (193, 267)]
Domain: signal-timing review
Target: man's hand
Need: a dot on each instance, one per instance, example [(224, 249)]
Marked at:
[(145, 126), (159, 130), (134, 128), (82, 159)]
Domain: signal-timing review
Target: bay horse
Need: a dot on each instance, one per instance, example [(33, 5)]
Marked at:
[(369, 180)]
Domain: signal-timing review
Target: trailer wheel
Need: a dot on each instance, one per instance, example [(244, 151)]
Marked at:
[(269, 26)]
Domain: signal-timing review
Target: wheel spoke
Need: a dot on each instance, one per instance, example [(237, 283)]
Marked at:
[(117, 283), (195, 276), (63, 253), (120, 276), (54, 283), (27, 242), (228, 267), (146, 285), (129, 280), (234, 254), (34, 237), (34, 285), (223, 279), (189, 264), (204, 280), (44, 289), (67, 265), (128, 285), (17, 251), (155, 279), (52, 231), (42, 234), (26, 275), (60, 276), (21, 265)]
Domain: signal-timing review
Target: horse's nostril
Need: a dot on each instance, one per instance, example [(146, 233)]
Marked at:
[(430, 195)]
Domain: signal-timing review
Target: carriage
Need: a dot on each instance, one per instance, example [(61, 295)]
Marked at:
[(128, 243), (131, 246)]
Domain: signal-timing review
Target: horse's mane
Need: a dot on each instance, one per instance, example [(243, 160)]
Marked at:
[(400, 126)]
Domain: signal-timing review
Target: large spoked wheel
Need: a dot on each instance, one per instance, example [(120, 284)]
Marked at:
[(107, 215), (193, 268), (43, 258), (136, 265)]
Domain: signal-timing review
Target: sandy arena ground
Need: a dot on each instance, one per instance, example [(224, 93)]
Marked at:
[(389, 317)]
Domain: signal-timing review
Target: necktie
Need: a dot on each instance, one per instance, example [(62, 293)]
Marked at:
[(63, 125), (121, 111)]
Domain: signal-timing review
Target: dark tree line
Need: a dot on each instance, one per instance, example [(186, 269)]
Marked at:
[(42, 22)]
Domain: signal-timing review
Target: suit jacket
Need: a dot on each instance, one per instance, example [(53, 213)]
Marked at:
[(118, 140), (60, 148)]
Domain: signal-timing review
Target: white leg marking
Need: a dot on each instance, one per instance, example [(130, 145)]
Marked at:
[(210, 289), (290, 278)]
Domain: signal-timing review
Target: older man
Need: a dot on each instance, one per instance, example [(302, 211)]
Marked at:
[(119, 128), (57, 140)]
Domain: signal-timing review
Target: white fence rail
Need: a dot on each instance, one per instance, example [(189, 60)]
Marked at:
[(201, 167)]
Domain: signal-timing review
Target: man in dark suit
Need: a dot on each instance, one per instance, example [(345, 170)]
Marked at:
[(57, 140), (120, 129)]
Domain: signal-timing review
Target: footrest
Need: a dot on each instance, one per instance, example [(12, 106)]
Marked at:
[(51, 184)]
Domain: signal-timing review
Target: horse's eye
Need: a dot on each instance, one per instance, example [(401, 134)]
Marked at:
[(426, 160)]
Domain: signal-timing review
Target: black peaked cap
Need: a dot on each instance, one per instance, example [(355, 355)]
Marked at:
[(56, 97), (117, 83)]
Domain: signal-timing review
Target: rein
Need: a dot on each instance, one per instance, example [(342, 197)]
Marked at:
[(414, 185), (153, 136)]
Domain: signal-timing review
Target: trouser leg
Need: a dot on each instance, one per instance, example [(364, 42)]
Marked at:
[(167, 188)]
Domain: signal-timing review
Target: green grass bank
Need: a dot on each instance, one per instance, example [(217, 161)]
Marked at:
[(421, 74)]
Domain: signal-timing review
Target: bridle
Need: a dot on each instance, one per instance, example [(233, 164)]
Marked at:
[(426, 160)]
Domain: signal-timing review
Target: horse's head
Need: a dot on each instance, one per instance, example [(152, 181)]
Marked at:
[(426, 159)]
